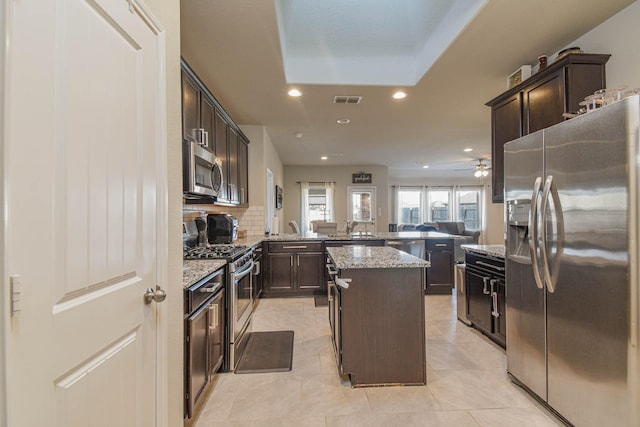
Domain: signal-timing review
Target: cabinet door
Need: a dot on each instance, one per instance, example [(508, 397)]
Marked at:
[(190, 109), (310, 270), (216, 334), (221, 128), (280, 272), (544, 102), (233, 166), (243, 172), (207, 119), (506, 125), (440, 274), (478, 294)]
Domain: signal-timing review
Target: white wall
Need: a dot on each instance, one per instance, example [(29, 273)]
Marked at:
[(168, 14), (342, 177)]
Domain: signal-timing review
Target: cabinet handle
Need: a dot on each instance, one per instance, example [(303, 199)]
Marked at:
[(213, 311), (298, 260), (295, 247), (206, 138), (343, 283), (494, 299), (484, 286), (486, 264), (441, 245), (291, 260)]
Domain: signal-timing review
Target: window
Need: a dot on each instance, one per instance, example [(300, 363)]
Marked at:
[(416, 205), (409, 204), (468, 202), (317, 203), (439, 205)]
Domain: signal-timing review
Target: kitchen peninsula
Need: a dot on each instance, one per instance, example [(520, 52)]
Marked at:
[(376, 314), (293, 264)]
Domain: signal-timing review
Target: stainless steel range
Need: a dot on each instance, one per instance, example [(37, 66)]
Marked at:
[(239, 285)]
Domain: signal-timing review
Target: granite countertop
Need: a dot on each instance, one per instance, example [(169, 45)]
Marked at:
[(490, 250), (194, 270), (377, 235), (374, 257)]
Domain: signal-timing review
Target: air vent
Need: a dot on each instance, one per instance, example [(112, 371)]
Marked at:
[(347, 99)]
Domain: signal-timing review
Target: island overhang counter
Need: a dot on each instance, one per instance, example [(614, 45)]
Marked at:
[(376, 314)]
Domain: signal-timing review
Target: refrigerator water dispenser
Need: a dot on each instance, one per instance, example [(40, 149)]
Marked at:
[(518, 230)]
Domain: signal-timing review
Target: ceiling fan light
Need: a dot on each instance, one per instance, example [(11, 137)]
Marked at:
[(477, 173), (485, 172)]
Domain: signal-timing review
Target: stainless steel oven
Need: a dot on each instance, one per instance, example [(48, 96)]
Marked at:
[(239, 294), (240, 304)]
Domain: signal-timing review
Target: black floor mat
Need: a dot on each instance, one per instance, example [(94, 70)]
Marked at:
[(270, 351), (320, 301)]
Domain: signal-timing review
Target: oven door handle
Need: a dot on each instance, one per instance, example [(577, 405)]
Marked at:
[(245, 271), (211, 290)]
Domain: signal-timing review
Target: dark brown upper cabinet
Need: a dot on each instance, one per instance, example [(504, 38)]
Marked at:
[(539, 102)]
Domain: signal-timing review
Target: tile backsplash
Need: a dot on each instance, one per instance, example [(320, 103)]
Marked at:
[(249, 218)]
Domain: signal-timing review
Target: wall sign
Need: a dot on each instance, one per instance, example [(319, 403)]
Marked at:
[(361, 178)]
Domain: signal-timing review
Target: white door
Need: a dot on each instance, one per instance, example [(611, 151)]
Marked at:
[(84, 179), (361, 207)]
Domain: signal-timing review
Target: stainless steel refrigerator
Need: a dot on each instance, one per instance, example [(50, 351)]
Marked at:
[(571, 195)]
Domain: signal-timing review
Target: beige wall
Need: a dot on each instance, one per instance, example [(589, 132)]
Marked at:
[(342, 177), (619, 37), (493, 232)]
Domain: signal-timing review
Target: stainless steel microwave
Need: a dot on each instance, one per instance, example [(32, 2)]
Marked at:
[(202, 172)]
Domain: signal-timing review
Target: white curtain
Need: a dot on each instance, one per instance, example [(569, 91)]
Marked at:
[(304, 211), (329, 214), (330, 191)]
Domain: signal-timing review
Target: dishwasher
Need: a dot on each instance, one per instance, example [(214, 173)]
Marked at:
[(413, 247)]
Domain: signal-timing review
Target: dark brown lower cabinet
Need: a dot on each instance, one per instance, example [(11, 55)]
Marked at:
[(294, 269), (377, 326), (440, 276), (486, 292)]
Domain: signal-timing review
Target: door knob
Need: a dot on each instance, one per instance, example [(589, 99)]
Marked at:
[(157, 295)]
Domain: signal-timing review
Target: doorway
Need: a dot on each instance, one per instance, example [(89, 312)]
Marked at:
[(271, 200), (361, 207)]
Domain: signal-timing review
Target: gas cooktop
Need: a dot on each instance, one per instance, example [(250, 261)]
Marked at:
[(214, 251)]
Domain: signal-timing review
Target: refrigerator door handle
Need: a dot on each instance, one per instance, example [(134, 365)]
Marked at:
[(551, 267), (533, 235)]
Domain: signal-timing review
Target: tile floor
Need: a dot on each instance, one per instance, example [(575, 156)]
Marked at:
[(466, 380)]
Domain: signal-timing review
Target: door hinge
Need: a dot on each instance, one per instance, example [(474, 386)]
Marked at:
[(16, 294)]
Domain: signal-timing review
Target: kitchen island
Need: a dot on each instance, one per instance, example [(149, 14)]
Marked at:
[(376, 314)]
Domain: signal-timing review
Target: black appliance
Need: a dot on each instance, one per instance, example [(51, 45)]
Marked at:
[(222, 228)]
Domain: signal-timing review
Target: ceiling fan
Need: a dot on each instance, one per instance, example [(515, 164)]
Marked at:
[(482, 169)]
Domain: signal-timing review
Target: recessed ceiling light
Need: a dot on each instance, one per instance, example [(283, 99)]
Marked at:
[(343, 121), (425, 166), (323, 158), (399, 95), (295, 92), (298, 134), (466, 150)]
